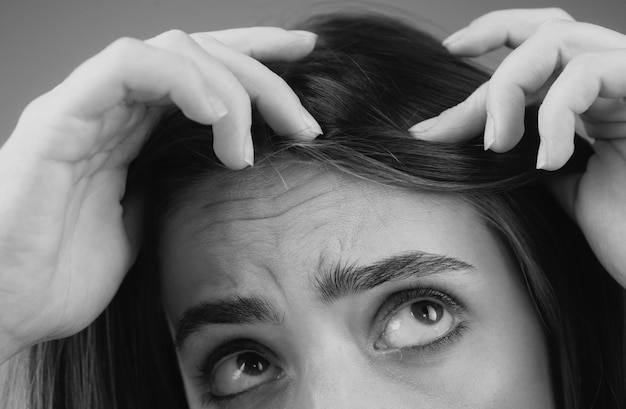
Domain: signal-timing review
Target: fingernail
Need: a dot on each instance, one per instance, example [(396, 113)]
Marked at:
[(305, 34), (542, 155), (423, 126), (313, 129), (490, 132), (248, 151), (454, 37)]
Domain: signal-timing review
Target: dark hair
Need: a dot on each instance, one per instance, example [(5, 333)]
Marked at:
[(367, 81)]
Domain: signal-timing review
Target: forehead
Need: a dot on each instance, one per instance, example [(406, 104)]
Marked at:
[(277, 229)]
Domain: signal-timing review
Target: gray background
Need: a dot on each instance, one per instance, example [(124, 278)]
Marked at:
[(41, 41)]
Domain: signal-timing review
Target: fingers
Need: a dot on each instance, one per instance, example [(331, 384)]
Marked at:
[(507, 98), (241, 80), (469, 118), (518, 79), (584, 79), (232, 138), (527, 72), (525, 77), (276, 101), (129, 69), (89, 111), (500, 28), (500, 104), (264, 43), (210, 89), (458, 123)]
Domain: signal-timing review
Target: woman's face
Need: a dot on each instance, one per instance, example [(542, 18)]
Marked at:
[(308, 290)]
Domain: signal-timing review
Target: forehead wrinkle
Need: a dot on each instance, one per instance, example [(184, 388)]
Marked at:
[(320, 211), (302, 222), (231, 215), (271, 207)]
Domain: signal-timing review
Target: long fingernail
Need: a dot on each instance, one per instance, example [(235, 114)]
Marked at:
[(313, 129), (420, 128), (490, 132), (542, 155), (248, 151), (307, 35), (454, 37)]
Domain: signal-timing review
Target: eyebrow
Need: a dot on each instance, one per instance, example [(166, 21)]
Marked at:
[(338, 282), (344, 280), (241, 310)]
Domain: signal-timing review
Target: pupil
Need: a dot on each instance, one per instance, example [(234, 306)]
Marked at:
[(251, 364), (426, 311)]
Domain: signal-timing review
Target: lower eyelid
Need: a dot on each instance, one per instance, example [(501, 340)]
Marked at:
[(209, 398), (227, 349), (437, 345)]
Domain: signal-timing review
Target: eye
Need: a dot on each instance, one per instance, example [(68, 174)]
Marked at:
[(418, 323), (241, 372)]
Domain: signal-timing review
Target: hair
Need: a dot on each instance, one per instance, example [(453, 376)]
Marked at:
[(368, 80)]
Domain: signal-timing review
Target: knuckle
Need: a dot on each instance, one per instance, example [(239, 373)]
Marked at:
[(584, 61), (204, 38), (553, 26), (121, 50), (189, 67), (123, 46), (559, 13), (36, 108), (175, 35), (474, 101), (171, 39)]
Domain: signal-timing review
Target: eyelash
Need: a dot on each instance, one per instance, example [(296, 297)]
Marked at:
[(402, 298)]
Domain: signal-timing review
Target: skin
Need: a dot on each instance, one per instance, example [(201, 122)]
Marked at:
[(274, 239), (66, 241), (575, 72)]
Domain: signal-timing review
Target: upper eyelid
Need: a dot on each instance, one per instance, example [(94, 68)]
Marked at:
[(453, 305), (391, 305), (227, 348)]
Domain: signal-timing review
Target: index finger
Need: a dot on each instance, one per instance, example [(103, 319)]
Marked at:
[(264, 43), (500, 28), (276, 101)]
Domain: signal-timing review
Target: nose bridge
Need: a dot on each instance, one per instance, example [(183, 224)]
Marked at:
[(334, 375), (327, 384)]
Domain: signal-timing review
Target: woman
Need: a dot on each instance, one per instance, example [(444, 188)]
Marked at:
[(362, 268)]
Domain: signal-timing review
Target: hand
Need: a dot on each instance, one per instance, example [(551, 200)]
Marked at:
[(574, 70), (64, 247)]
